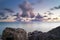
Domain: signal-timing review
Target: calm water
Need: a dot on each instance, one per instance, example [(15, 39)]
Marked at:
[(41, 26)]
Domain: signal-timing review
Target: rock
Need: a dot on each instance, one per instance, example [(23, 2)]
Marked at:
[(14, 34), (0, 37), (55, 31), (53, 34), (21, 34), (34, 35)]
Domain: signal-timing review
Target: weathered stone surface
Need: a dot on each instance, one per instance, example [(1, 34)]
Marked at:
[(53, 34), (20, 34), (55, 31), (14, 34), (34, 35)]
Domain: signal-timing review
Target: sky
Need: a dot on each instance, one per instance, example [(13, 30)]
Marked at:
[(40, 6)]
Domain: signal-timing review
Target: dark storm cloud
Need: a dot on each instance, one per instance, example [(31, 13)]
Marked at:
[(3, 16), (33, 3), (56, 7), (23, 7), (9, 10)]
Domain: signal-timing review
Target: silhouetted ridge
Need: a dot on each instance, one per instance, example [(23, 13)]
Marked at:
[(55, 31)]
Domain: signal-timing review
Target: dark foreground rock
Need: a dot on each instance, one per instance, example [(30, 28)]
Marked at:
[(14, 34), (53, 34), (0, 37), (55, 31), (21, 34)]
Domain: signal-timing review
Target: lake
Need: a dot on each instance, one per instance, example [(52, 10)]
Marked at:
[(31, 26)]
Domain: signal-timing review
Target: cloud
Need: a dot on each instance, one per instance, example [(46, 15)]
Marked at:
[(9, 10), (27, 10), (55, 8), (34, 2), (5, 13), (3, 16)]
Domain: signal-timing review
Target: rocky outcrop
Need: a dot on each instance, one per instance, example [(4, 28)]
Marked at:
[(0, 37), (14, 34), (20, 34), (55, 31), (53, 34), (34, 35)]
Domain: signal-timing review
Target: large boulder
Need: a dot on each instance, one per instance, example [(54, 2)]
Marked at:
[(14, 34)]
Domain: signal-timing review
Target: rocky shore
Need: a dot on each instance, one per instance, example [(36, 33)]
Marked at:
[(21, 34)]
